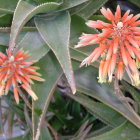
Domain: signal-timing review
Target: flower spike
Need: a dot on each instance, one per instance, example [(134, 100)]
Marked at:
[(16, 71), (119, 41)]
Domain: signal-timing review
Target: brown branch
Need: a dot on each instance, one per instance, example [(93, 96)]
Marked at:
[(24, 98), (55, 134), (121, 96)]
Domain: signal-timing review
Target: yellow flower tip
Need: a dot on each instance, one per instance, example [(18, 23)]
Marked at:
[(35, 98), (103, 55), (101, 35), (43, 80), (3, 82), (74, 91), (118, 6), (12, 58), (6, 92), (137, 63), (115, 51), (136, 83), (17, 101), (37, 68), (84, 62), (26, 52), (77, 46), (93, 60), (101, 80), (92, 42), (110, 79)]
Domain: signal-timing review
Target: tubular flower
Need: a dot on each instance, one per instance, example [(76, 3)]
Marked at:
[(119, 41), (16, 71)]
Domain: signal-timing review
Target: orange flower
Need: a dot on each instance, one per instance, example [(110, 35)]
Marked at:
[(16, 71), (119, 41)]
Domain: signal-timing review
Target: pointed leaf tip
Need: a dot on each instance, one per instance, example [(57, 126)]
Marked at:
[(52, 31)]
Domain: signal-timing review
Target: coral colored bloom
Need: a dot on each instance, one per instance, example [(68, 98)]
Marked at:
[(16, 71), (119, 41)]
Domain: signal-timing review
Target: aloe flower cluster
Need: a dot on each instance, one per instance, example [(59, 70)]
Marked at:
[(16, 72), (119, 41)]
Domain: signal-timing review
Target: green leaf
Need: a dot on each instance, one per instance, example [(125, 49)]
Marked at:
[(67, 4), (92, 8), (51, 72), (87, 83), (45, 134), (126, 131), (101, 111), (5, 20), (100, 131), (76, 9), (8, 6), (34, 44), (78, 27), (136, 2), (56, 34), (4, 38), (23, 13)]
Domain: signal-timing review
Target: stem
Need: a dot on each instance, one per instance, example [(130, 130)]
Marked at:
[(120, 95), (42, 116), (51, 129), (27, 118), (24, 98)]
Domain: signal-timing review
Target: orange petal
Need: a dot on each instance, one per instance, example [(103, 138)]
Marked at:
[(101, 49), (135, 29), (129, 48), (113, 62), (106, 66), (2, 89), (14, 81), (124, 56), (111, 16), (3, 56), (137, 52), (109, 53), (116, 45), (106, 14), (31, 93), (36, 78), (128, 18), (16, 95), (95, 24), (2, 76), (120, 70), (136, 23), (125, 15), (133, 42), (101, 70), (92, 55), (118, 14), (7, 87), (134, 19), (24, 80), (131, 63)]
